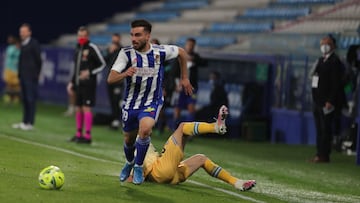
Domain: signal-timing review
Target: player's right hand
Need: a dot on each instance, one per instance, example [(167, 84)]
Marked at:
[(130, 71)]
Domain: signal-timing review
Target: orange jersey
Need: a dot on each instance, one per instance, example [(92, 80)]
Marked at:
[(166, 168)]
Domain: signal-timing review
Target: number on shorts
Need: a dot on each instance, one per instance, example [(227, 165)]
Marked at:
[(125, 115)]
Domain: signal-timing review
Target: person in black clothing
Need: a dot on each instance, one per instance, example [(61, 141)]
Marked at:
[(218, 97), (185, 101), (353, 60), (29, 71), (88, 63), (114, 90), (327, 91)]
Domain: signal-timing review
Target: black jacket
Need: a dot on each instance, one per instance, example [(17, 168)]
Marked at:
[(193, 69), (87, 57), (330, 85), (218, 96), (30, 60)]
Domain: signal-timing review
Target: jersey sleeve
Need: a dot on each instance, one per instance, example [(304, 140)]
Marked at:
[(120, 62), (172, 51)]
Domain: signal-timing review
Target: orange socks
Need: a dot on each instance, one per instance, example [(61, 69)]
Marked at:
[(197, 128), (216, 171)]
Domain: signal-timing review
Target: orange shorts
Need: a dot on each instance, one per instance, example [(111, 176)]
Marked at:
[(167, 168)]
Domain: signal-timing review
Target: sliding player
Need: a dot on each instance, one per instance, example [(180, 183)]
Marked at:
[(172, 169)]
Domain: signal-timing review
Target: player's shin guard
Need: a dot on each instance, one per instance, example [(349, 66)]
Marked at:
[(142, 145), (88, 124), (129, 153), (216, 171), (79, 116), (197, 128)]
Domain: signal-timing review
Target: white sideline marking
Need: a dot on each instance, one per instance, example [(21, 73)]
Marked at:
[(114, 162), (225, 191)]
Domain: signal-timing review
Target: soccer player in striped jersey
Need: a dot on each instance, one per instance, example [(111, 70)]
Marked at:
[(142, 66), (172, 169)]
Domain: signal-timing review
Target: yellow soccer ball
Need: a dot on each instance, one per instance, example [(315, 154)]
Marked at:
[(51, 178)]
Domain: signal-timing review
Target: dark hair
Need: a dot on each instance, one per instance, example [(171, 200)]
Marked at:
[(26, 25), (82, 29), (155, 41), (142, 23), (190, 39), (116, 34)]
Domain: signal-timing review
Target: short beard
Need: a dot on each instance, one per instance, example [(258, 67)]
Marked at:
[(141, 46)]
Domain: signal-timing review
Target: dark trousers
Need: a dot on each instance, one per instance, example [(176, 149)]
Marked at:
[(29, 92), (115, 95), (324, 124)]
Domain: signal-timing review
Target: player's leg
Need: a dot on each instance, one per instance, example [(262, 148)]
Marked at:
[(129, 150), (88, 121), (88, 101), (197, 128), (147, 119), (71, 103), (142, 144), (130, 131), (192, 164), (79, 117)]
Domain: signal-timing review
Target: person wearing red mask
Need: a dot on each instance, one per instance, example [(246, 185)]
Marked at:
[(88, 63)]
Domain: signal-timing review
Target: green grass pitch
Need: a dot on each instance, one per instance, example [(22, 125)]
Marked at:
[(91, 172)]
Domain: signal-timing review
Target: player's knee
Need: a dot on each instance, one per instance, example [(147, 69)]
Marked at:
[(201, 158), (145, 131), (181, 125)]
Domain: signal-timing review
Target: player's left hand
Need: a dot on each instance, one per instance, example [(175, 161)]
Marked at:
[(84, 74), (188, 88)]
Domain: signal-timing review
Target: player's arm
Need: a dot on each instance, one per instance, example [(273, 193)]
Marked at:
[(184, 79), (116, 77), (118, 72)]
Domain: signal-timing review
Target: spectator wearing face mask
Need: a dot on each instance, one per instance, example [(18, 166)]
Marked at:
[(88, 63), (327, 92)]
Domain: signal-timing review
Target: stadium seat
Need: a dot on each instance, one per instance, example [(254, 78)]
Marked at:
[(347, 41), (240, 27), (305, 1), (157, 15), (286, 13), (180, 5), (121, 28), (208, 41)]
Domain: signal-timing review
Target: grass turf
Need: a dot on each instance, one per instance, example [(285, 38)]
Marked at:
[(91, 172)]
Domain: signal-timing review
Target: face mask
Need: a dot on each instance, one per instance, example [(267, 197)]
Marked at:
[(82, 40), (325, 48)]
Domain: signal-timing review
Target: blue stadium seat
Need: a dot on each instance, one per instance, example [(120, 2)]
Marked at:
[(120, 28), (100, 39), (305, 1), (208, 41), (347, 41), (240, 27), (159, 16), (284, 13), (180, 5)]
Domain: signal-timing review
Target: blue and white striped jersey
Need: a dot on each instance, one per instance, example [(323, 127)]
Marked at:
[(144, 88)]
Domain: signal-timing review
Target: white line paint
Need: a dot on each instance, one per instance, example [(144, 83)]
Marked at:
[(114, 162), (225, 191)]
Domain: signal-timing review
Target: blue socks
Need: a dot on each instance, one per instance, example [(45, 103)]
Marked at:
[(141, 146), (129, 153)]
